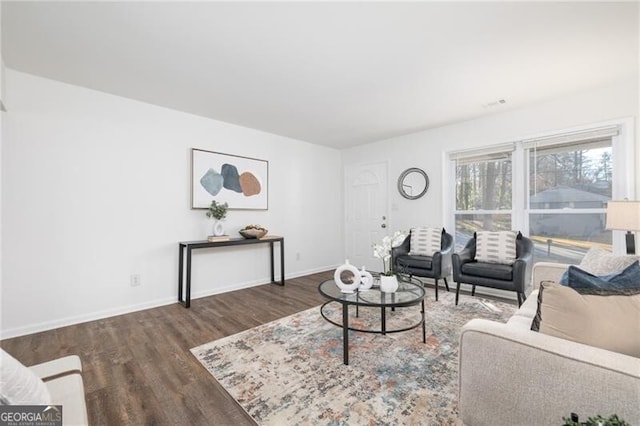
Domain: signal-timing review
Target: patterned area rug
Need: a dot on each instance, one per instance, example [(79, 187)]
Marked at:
[(290, 371)]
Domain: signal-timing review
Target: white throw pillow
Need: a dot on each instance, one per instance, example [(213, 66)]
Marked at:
[(496, 247), (425, 241), (602, 262), (19, 385)]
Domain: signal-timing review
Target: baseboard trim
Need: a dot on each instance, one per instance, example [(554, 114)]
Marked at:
[(107, 313), (79, 319), (240, 286)]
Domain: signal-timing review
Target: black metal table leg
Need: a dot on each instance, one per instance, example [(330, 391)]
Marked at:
[(424, 326), (187, 300), (383, 319), (271, 249), (180, 269), (282, 262), (345, 334)]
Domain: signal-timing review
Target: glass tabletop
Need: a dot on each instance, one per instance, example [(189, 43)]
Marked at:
[(408, 294)]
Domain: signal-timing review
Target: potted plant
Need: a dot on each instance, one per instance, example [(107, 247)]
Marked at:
[(217, 211), (388, 280)]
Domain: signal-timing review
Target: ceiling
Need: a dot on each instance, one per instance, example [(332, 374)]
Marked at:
[(332, 73)]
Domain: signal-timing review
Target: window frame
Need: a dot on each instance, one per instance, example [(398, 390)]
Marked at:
[(623, 176), (469, 157)]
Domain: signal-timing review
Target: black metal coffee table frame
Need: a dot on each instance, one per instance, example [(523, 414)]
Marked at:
[(408, 294)]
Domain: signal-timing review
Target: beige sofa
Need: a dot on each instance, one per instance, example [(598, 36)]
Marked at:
[(56, 382), (63, 379), (510, 375)]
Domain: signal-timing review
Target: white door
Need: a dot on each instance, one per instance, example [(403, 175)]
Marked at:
[(366, 216)]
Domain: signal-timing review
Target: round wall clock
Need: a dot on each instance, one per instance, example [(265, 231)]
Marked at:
[(413, 183)]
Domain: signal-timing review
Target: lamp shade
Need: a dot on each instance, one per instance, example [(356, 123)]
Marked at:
[(623, 215)]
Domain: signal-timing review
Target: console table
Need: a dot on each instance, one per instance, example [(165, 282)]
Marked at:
[(189, 246)]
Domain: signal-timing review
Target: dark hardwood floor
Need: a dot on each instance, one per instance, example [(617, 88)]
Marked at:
[(138, 369)]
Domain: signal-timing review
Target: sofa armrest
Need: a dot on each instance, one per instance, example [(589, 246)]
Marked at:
[(68, 391), (66, 365), (460, 258), (522, 273), (509, 376), (547, 271), (63, 378)]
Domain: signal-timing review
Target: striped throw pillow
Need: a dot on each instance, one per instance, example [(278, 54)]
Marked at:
[(425, 241), (496, 247)]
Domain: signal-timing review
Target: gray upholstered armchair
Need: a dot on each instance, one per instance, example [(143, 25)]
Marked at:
[(436, 267), (515, 277)]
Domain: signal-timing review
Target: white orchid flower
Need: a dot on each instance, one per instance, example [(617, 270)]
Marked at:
[(383, 250), (398, 238)]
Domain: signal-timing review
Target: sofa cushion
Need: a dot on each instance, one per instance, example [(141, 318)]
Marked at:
[(425, 241), (602, 262), (608, 319), (420, 262), (529, 308), (488, 270), (627, 278), (520, 322), (19, 385), (496, 247)]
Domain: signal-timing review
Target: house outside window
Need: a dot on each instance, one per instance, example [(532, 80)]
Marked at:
[(569, 187)]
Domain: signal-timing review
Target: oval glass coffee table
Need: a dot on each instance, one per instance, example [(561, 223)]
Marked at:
[(408, 294)]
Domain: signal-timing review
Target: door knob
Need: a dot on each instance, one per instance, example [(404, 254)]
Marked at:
[(384, 225)]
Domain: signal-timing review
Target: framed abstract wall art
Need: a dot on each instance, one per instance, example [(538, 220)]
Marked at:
[(241, 182)]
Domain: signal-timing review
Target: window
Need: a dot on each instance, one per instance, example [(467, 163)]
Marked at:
[(483, 194), (553, 189), (569, 186)]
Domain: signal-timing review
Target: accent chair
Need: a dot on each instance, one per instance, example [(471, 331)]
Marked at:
[(512, 275), (437, 266)]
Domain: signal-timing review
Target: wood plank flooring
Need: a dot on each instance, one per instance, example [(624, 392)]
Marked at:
[(138, 369)]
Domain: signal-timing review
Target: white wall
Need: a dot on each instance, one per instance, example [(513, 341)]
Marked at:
[(426, 149), (96, 187), (1, 144)]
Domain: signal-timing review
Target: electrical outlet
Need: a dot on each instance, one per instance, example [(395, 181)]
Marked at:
[(135, 280)]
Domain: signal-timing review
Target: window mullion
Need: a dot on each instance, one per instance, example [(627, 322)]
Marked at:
[(519, 190)]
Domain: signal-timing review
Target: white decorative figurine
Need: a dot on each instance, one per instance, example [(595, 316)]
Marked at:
[(366, 280), (347, 286)]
